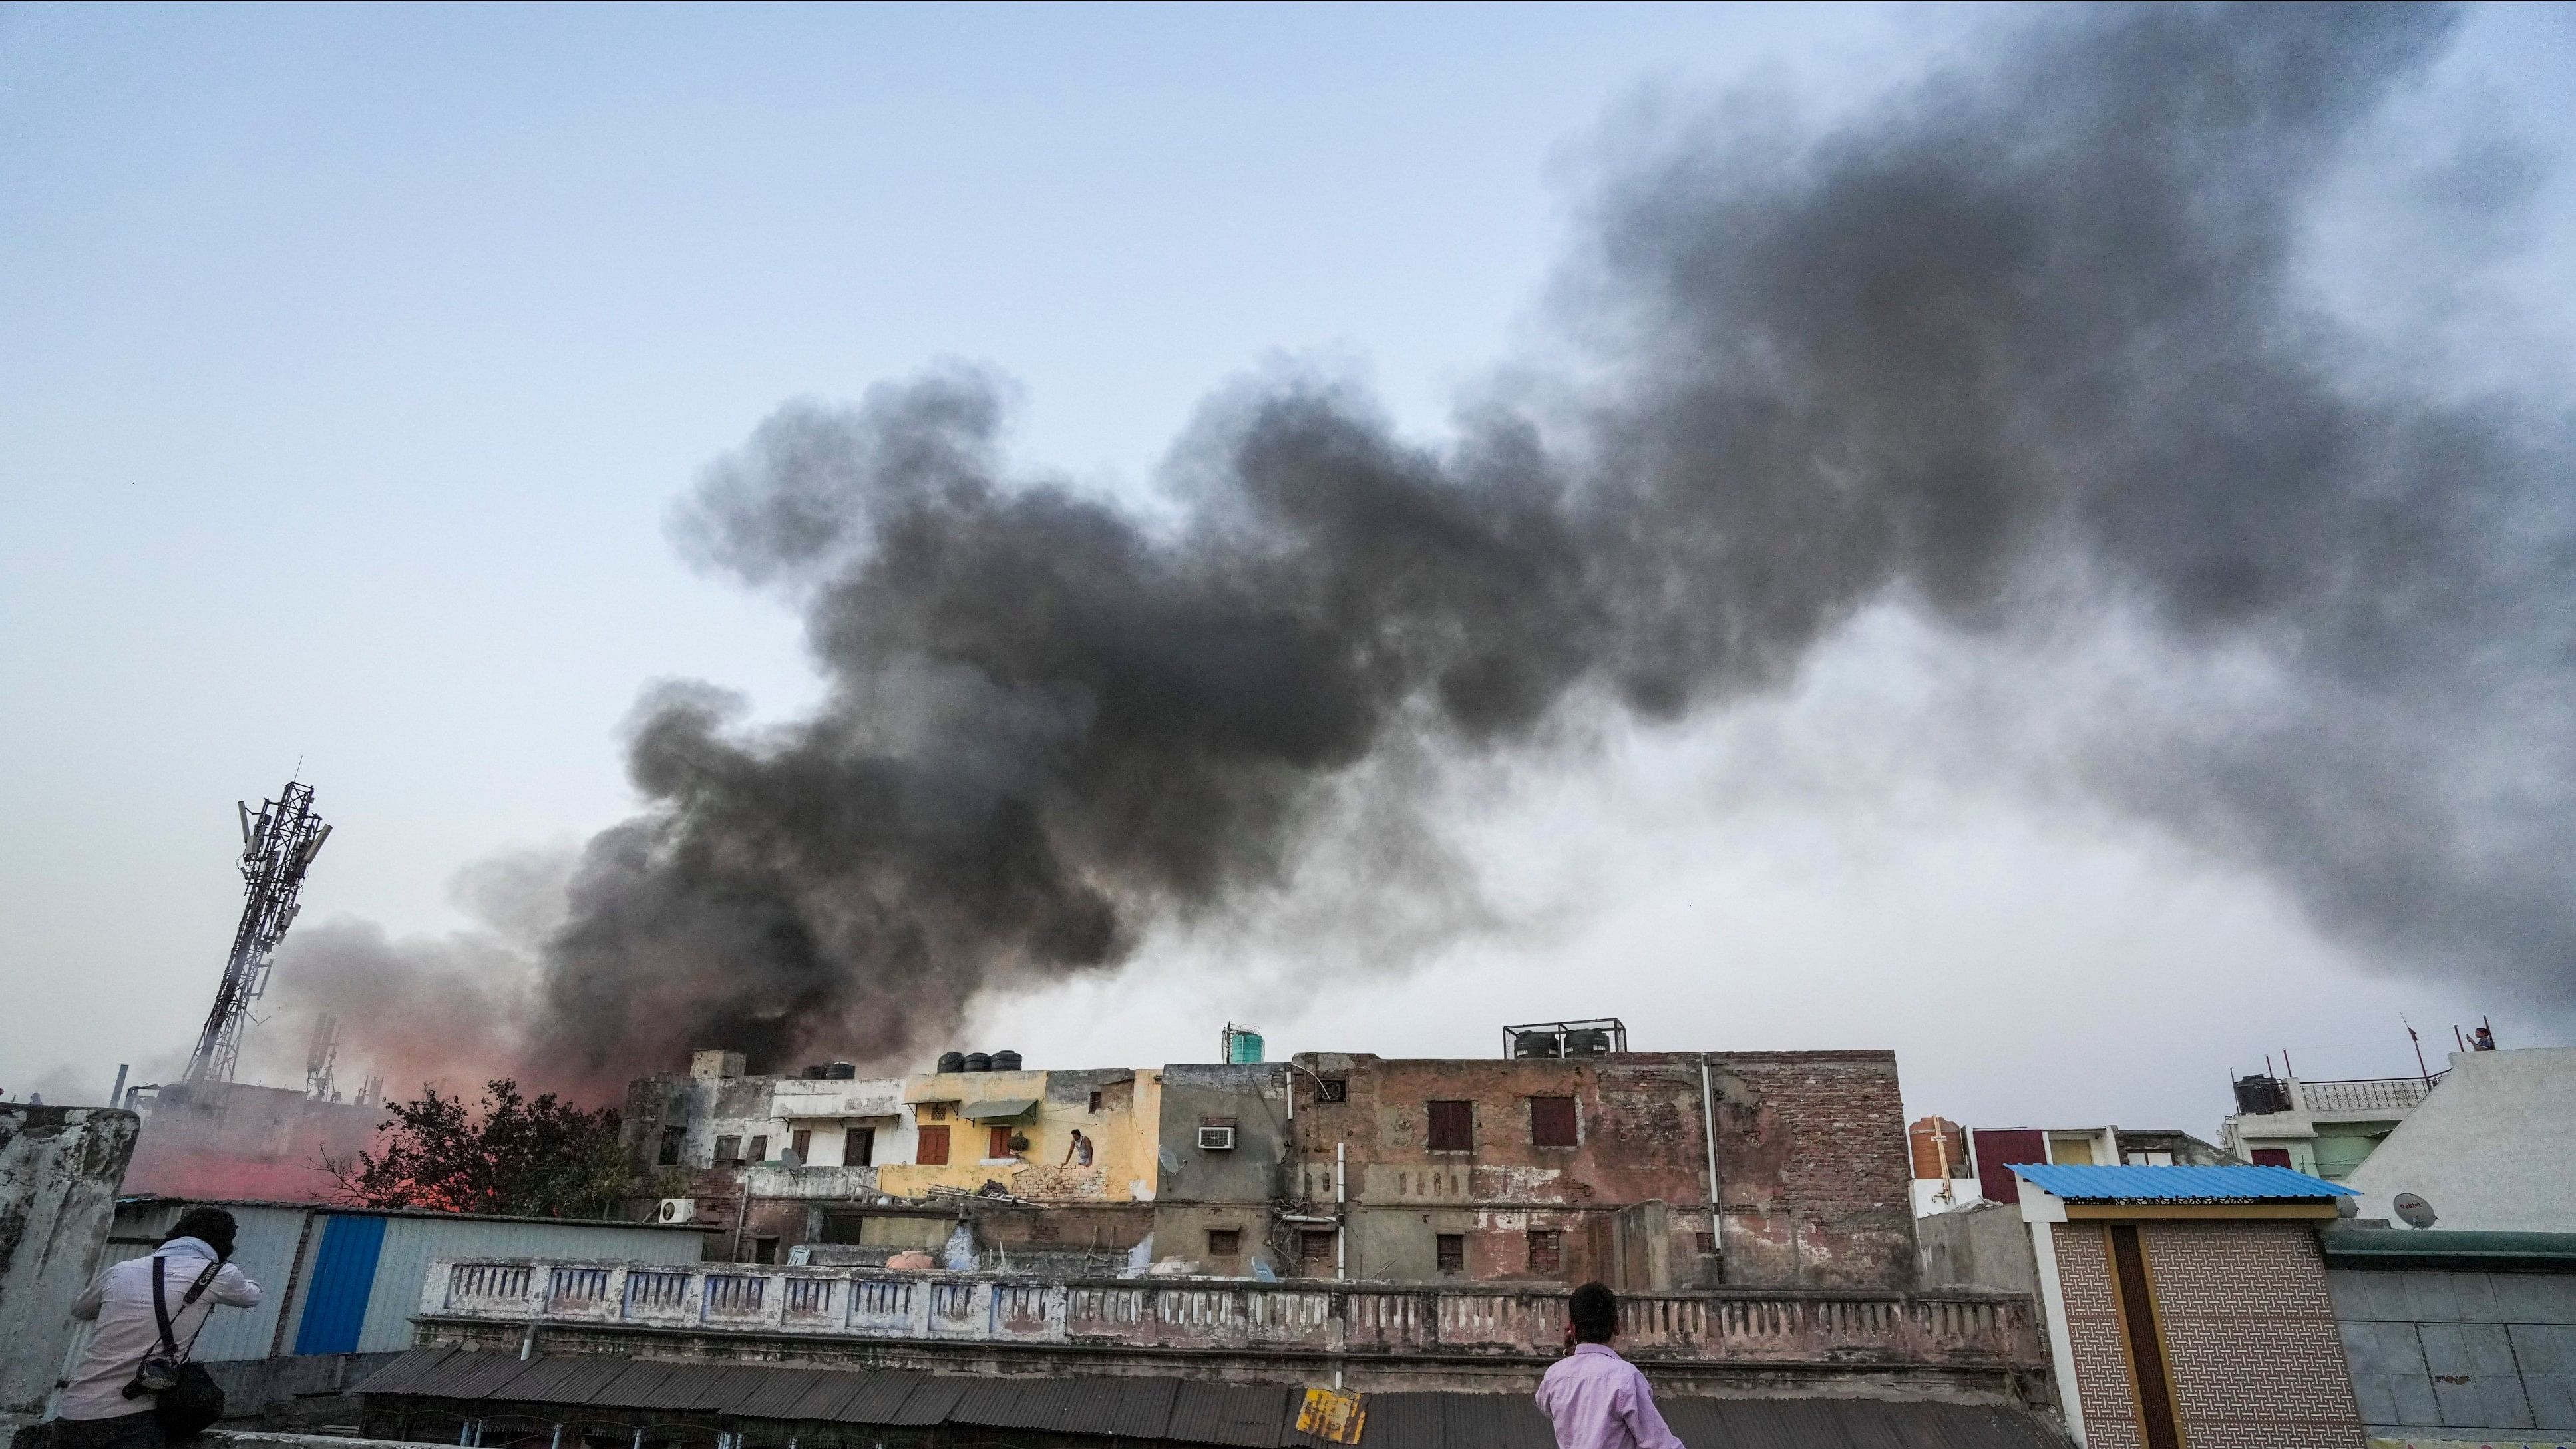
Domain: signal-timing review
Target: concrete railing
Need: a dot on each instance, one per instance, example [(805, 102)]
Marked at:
[(1199, 1314)]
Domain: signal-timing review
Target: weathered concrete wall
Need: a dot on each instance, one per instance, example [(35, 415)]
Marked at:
[(60, 1168), (2493, 1148), (1983, 1246), (1208, 1192)]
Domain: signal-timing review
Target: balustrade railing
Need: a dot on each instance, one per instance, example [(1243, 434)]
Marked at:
[(1362, 1318)]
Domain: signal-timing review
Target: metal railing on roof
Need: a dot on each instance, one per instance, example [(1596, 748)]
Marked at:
[(2366, 1094)]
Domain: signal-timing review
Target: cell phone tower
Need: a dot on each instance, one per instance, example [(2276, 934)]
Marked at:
[(277, 848)]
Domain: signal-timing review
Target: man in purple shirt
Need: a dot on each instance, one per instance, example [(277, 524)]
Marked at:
[(1595, 1398)]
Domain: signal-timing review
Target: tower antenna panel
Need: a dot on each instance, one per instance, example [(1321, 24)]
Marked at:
[(277, 849)]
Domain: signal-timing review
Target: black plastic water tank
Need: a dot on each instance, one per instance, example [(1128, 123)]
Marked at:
[(817, 1070), (1591, 1041), (843, 1072), (952, 1061), (2262, 1094), (977, 1062), (1006, 1061), (1529, 1045)]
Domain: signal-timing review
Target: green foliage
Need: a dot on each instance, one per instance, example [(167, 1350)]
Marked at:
[(515, 1156)]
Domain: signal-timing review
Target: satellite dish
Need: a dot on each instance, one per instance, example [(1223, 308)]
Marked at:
[(2414, 1211)]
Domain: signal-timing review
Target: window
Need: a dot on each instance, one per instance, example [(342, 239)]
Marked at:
[(2151, 1159), (1315, 1245), (764, 1250), (1546, 1251), (1453, 1126), (1706, 1243), (1332, 1089), (1449, 1251), (933, 1151), (673, 1138), (859, 1148), (1225, 1242), (760, 1148), (1552, 1122), (728, 1151), (802, 1144), (1095, 1104), (935, 1111), (2270, 1156), (997, 1142)]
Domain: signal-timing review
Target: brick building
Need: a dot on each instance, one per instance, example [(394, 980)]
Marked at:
[(1547, 1169), (1553, 1171)]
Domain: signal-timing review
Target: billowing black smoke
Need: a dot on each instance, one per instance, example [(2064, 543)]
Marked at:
[(2026, 339)]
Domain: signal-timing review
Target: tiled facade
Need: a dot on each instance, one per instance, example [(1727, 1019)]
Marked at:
[(2247, 1323), (2110, 1404)]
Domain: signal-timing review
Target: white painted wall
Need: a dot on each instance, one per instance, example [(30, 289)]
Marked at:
[(2492, 1149)]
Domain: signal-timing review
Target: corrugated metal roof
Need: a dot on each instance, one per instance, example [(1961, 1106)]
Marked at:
[(399, 1376), (630, 1389), (1244, 1416), (874, 1398), (927, 1404), (2181, 1184)]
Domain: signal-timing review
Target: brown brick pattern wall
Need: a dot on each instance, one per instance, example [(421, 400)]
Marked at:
[(2249, 1323), (2110, 1405)]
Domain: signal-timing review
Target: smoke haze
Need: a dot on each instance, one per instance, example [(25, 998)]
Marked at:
[(2024, 350)]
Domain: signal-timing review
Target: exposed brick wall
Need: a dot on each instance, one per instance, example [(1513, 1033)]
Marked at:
[(1813, 1169), (2247, 1323), (1811, 1153)]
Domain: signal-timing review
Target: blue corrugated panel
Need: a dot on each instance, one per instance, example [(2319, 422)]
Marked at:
[(344, 1273), (2180, 1184)]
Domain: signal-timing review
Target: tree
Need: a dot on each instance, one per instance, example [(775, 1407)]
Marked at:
[(541, 1158)]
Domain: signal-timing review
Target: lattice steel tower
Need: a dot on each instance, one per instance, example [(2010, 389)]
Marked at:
[(277, 849)]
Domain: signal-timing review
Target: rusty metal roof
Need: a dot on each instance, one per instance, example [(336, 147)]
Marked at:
[(1234, 1416)]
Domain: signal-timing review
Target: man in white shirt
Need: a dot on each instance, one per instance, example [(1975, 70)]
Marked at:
[(94, 1412)]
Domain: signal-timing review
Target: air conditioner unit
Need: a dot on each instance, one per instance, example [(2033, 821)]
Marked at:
[(678, 1210), (1216, 1139)]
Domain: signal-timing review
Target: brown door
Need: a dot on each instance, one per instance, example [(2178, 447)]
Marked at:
[(998, 1142), (933, 1151), (2146, 1345)]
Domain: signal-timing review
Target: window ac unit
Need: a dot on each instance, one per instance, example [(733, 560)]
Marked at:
[(678, 1210), (1216, 1139)]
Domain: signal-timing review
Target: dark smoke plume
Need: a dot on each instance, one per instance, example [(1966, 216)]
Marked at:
[(2026, 341)]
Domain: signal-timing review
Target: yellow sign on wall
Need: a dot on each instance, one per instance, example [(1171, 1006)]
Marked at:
[(1333, 1415)]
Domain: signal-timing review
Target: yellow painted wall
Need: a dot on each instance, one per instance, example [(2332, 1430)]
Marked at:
[(1123, 1136)]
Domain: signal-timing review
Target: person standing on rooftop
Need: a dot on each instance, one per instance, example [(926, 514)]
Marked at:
[(1593, 1397)]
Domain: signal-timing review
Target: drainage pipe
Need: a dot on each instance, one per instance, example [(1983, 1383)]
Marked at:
[(1708, 1122)]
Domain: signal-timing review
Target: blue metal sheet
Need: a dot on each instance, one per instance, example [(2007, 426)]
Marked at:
[(344, 1274), (2181, 1184)]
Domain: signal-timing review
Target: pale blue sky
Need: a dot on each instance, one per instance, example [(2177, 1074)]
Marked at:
[(351, 357)]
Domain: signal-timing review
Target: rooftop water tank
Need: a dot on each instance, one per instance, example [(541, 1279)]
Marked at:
[(977, 1062), (1242, 1046), (841, 1072), (952, 1061), (1006, 1061)]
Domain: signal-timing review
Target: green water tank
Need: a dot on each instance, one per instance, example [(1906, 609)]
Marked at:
[(1242, 1047)]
